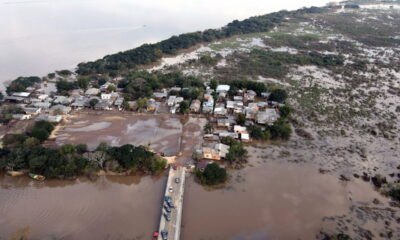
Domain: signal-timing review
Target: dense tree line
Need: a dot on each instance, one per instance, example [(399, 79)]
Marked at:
[(149, 53), (20, 84)]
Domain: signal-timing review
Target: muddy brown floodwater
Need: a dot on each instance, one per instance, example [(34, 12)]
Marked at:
[(112, 207), (269, 201), (162, 132)]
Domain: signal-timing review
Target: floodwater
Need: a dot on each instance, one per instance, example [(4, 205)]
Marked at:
[(40, 36), (161, 132), (270, 201), (113, 207)]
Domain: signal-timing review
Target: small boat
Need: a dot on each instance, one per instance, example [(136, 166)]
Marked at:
[(37, 177)]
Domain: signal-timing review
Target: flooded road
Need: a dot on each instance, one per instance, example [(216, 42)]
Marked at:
[(113, 207)]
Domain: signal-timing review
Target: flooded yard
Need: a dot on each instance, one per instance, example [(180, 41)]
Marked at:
[(162, 132)]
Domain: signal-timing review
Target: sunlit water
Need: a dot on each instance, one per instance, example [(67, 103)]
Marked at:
[(40, 36)]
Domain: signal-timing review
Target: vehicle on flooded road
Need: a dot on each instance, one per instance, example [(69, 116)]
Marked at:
[(164, 235), (167, 208), (167, 217), (170, 204), (170, 189), (177, 180)]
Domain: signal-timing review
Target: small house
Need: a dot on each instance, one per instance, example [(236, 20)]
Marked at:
[(249, 95), (21, 116), (151, 105), (195, 106), (223, 88), (32, 111), (270, 115), (60, 108), (92, 91), (49, 118), (171, 101), (215, 152)]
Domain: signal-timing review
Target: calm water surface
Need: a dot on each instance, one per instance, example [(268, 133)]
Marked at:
[(40, 36)]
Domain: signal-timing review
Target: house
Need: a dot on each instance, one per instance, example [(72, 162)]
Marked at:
[(171, 101), (42, 97), (220, 110), (270, 115), (42, 105), (21, 94), (151, 105), (245, 137), (118, 103), (174, 108), (49, 118), (62, 100), (103, 105), (179, 100), (92, 91), (223, 88), (175, 89), (239, 129), (208, 106), (14, 99), (60, 108), (225, 122), (228, 134), (250, 95), (251, 111), (195, 106), (32, 111), (234, 106), (215, 152), (80, 102), (237, 98), (163, 94), (105, 96), (21, 116), (265, 95)]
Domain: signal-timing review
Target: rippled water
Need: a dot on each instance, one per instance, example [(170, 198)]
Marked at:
[(112, 207)]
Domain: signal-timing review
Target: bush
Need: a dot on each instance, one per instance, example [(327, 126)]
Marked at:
[(278, 95), (213, 174), (40, 134), (237, 154)]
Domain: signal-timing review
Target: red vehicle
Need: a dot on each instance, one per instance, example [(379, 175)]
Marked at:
[(155, 235)]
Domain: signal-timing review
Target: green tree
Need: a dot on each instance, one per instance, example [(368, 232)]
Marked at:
[(111, 88), (83, 83), (278, 95), (93, 102), (213, 174), (208, 128), (81, 148), (213, 84), (141, 103), (241, 119), (285, 111), (184, 107), (40, 134), (237, 154), (31, 142), (67, 149)]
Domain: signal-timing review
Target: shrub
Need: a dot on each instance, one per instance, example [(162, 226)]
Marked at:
[(213, 174)]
